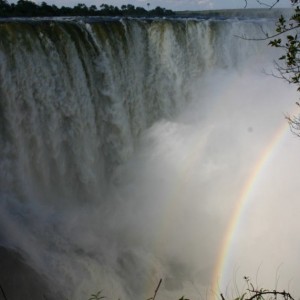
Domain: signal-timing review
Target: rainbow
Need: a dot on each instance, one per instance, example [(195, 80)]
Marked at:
[(226, 248)]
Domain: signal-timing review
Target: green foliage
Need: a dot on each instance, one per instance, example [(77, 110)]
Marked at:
[(97, 296), (27, 8), (287, 39), (288, 64), (253, 293)]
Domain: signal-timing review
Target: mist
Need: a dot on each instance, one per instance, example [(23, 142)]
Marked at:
[(185, 180)]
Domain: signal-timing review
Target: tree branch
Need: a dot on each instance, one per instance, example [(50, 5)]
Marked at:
[(3, 293), (264, 4), (268, 37), (156, 290), (258, 294), (267, 5)]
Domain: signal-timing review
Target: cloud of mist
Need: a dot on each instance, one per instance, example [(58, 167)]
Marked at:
[(170, 204)]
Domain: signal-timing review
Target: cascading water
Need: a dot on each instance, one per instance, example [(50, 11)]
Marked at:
[(123, 147)]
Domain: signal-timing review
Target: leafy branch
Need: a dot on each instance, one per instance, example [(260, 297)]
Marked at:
[(97, 296), (287, 65), (253, 293)]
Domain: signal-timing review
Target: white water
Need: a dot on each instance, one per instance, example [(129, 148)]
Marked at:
[(125, 145)]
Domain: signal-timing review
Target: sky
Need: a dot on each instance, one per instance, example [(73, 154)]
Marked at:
[(174, 4)]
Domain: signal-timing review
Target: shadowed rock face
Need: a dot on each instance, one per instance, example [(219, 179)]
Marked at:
[(19, 281)]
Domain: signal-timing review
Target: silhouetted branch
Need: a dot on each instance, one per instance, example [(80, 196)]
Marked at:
[(294, 123), (263, 3), (3, 293), (259, 293), (156, 290), (267, 36)]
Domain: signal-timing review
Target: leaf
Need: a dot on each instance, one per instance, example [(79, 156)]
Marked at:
[(97, 296)]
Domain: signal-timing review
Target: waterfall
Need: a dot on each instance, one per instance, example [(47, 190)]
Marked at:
[(80, 101), (76, 96)]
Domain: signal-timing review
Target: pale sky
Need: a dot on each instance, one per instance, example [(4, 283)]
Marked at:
[(174, 4)]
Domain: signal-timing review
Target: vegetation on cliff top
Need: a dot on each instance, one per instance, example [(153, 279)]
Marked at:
[(26, 8)]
